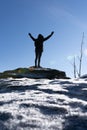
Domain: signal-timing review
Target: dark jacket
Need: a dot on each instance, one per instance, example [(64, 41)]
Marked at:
[(38, 42)]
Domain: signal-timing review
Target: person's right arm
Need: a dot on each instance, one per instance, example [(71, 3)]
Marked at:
[(31, 37)]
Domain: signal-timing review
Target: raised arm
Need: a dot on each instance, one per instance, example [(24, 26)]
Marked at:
[(46, 38), (31, 37)]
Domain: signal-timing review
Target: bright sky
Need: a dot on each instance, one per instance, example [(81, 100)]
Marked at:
[(68, 20)]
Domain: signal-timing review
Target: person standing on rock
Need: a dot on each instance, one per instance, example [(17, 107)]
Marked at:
[(38, 42)]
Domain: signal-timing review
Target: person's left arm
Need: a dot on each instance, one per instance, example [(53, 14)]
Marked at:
[(46, 38)]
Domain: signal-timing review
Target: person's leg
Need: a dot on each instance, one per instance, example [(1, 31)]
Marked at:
[(39, 58), (36, 57)]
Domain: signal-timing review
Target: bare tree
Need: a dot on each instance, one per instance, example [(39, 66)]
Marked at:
[(81, 56), (74, 64), (75, 68), (77, 71)]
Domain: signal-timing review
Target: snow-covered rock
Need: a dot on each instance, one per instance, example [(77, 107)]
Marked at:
[(84, 76)]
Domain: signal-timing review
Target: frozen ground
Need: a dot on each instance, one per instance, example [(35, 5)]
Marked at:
[(41, 104)]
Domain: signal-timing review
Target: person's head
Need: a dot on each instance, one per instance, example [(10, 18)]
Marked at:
[(40, 36)]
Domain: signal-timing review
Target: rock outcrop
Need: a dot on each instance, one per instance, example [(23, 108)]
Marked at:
[(33, 72)]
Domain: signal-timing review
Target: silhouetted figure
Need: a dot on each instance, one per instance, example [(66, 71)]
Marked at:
[(38, 42)]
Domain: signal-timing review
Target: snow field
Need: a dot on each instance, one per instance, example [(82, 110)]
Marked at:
[(42, 104)]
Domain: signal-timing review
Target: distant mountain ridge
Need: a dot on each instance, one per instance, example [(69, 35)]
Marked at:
[(33, 72)]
